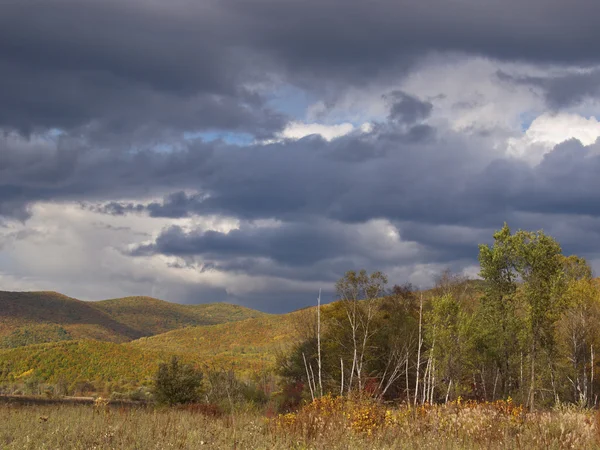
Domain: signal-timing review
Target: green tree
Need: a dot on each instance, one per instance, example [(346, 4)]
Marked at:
[(177, 383), (577, 336), (449, 333), (540, 264), (499, 334)]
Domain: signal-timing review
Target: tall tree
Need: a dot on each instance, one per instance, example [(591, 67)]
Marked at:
[(539, 262), (358, 293), (498, 313)]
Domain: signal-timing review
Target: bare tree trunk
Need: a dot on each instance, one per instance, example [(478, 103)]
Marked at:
[(431, 390), (312, 394), (352, 371), (395, 363), (419, 349), (426, 379), (448, 390), (592, 372), (313, 379), (431, 369), (342, 371), (483, 385), (521, 385), (319, 343), (552, 381), (495, 383), (407, 383), (532, 377)]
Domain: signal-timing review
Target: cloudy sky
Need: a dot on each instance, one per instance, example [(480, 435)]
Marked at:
[(252, 151)]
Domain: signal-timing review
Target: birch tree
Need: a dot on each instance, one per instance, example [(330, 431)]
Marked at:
[(358, 293)]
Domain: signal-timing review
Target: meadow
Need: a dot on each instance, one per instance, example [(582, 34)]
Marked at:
[(327, 423)]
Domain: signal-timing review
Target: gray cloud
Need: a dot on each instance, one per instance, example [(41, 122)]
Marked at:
[(408, 109), (124, 67), (144, 67), (97, 96), (448, 180), (290, 244), (562, 90)]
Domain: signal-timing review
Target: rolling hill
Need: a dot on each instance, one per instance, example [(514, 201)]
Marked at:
[(248, 345), (28, 314), (39, 317), (151, 316)]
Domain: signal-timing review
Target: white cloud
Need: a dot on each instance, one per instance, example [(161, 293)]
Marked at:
[(298, 130), (467, 94), (548, 130), (79, 252)]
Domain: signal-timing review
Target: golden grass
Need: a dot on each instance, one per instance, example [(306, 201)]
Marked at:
[(330, 424)]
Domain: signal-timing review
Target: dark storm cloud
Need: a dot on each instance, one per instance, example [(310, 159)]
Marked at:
[(564, 182), (143, 67), (288, 244), (312, 177), (448, 180), (446, 212), (561, 90), (124, 66), (357, 38), (291, 244), (408, 109)]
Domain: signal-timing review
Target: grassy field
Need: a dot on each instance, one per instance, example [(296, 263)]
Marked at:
[(324, 425)]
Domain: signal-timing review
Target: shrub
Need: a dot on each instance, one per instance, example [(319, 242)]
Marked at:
[(177, 383), (230, 393)]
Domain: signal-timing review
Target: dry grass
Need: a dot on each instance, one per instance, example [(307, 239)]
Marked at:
[(331, 424)]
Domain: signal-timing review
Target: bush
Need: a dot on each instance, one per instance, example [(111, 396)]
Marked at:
[(230, 393), (177, 383)]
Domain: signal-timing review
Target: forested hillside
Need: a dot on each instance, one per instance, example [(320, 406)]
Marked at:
[(25, 316), (151, 316), (38, 317), (246, 345)]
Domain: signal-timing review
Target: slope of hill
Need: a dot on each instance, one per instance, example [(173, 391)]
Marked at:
[(78, 360), (247, 345), (40, 317), (79, 320), (151, 316)]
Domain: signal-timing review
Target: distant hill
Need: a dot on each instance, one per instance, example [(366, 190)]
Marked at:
[(39, 317), (27, 314), (248, 346), (126, 338), (151, 316)]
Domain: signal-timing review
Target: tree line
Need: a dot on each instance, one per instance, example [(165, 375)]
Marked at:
[(527, 329)]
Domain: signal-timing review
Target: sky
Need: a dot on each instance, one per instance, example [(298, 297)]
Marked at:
[(254, 151)]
